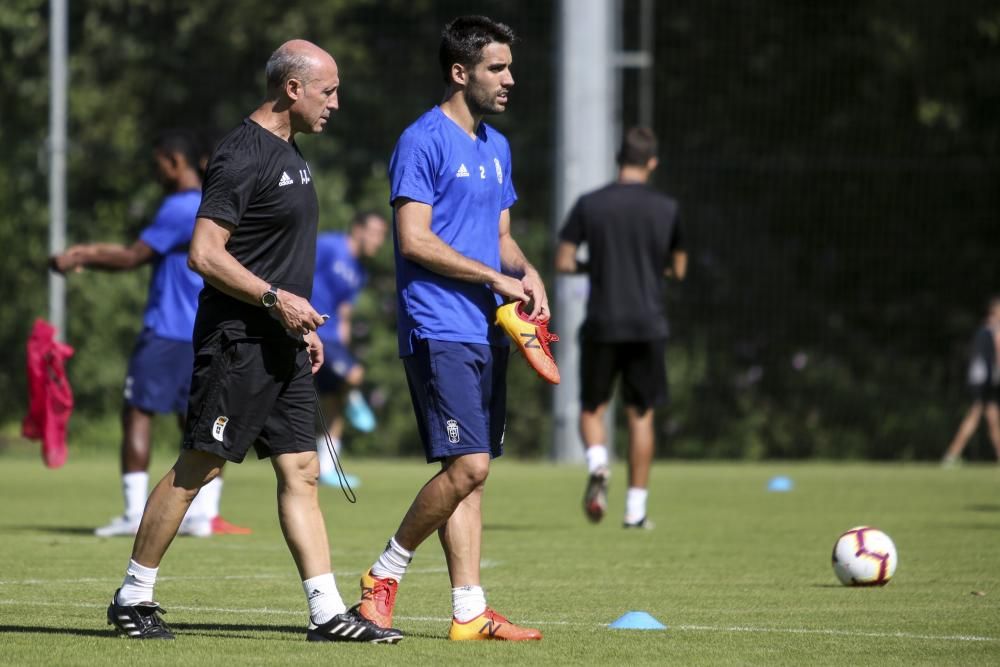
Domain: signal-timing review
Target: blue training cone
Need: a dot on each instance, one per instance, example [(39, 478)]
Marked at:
[(637, 620), (780, 484)]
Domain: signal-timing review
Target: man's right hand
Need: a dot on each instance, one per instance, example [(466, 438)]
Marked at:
[(296, 314)]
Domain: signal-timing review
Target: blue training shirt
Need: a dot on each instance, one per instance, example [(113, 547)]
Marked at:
[(467, 183), (338, 279), (174, 288)]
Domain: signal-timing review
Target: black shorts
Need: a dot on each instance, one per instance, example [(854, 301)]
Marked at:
[(642, 365), (985, 392), (251, 392)]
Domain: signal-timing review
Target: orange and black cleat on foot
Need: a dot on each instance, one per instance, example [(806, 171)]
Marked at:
[(532, 338), (491, 625)]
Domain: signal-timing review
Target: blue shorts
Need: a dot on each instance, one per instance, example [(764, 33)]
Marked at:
[(459, 394), (337, 363), (159, 374)]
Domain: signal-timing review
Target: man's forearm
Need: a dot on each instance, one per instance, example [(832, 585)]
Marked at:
[(430, 252), (224, 273), (512, 259)]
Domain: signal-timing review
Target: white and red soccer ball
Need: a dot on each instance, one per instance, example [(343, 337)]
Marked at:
[(864, 556)]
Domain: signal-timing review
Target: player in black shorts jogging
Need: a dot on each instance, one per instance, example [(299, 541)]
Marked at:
[(632, 236), (256, 346), (984, 385)]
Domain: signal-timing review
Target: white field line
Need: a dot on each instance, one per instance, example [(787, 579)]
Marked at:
[(285, 574), (266, 611)]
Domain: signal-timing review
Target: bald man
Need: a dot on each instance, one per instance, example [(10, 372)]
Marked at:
[(256, 346)]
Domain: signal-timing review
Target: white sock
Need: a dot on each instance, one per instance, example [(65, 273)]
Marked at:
[(134, 488), (326, 465), (138, 584), (467, 602), (208, 499), (393, 561), (198, 509), (597, 456), (635, 504), (323, 597)]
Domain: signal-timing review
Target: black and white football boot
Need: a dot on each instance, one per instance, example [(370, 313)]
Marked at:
[(352, 627), (139, 621)]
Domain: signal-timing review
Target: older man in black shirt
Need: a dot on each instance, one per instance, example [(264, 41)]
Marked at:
[(256, 346)]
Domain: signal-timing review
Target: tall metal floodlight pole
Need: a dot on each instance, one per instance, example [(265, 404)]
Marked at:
[(586, 127), (58, 38)]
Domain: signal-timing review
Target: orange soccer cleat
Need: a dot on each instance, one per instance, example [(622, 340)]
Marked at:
[(378, 596), (532, 338), (222, 527), (491, 625)]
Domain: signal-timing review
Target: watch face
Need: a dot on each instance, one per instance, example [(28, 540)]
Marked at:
[(269, 299)]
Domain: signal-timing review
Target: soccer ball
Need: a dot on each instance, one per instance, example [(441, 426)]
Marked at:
[(864, 556)]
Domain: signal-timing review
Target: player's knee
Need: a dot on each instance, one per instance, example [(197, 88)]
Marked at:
[(300, 473), (469, 473), (195, 469)]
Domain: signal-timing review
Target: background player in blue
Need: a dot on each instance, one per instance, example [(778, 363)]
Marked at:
[(159, 370), (340, 275), (455, 262)]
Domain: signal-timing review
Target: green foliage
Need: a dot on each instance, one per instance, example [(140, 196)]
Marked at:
[(836, 166)]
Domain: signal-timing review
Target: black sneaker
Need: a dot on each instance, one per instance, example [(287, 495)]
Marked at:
[(595, 498), (138, 621), (352, 627)]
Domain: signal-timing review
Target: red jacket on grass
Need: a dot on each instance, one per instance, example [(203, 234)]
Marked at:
[(50, 398)]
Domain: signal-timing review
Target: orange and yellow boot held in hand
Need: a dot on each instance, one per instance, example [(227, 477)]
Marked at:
[(532, 338)]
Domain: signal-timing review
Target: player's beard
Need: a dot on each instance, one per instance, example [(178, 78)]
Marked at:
[(480, 100)]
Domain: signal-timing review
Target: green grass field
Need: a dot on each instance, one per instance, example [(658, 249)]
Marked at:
[(740, 575)]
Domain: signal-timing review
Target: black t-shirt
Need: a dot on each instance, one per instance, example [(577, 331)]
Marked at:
[(983, 360), (262, 185), (630, 231)]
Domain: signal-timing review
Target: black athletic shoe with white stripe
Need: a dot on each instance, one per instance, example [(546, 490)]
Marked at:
[(352, 627), (139, 621)]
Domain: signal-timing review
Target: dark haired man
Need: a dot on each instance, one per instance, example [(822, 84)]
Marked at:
[(456, 262), (159, 370), (256, 347), (340, 275), (633, 242)]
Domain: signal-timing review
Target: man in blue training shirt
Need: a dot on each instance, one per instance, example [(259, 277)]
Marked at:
[(340, 275), (456, 262), (159, 370)]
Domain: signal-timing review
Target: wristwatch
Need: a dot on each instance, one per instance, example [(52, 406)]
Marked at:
[(269, 299)]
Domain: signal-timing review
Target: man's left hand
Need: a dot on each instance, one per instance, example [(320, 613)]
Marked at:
[(315, 347), (535, 289)]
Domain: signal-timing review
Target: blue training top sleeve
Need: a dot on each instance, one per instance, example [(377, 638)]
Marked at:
[(164, 233), (412, 170), (509, 196)]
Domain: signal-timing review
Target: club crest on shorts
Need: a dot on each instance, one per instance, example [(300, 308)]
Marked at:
[(452, 431), (219, 427)]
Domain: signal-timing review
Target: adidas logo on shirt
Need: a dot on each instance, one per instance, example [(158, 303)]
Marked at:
[(285, 180), (462, 172)]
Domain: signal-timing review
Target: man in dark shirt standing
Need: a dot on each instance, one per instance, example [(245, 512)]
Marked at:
[(256, 346), (632, 236)]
